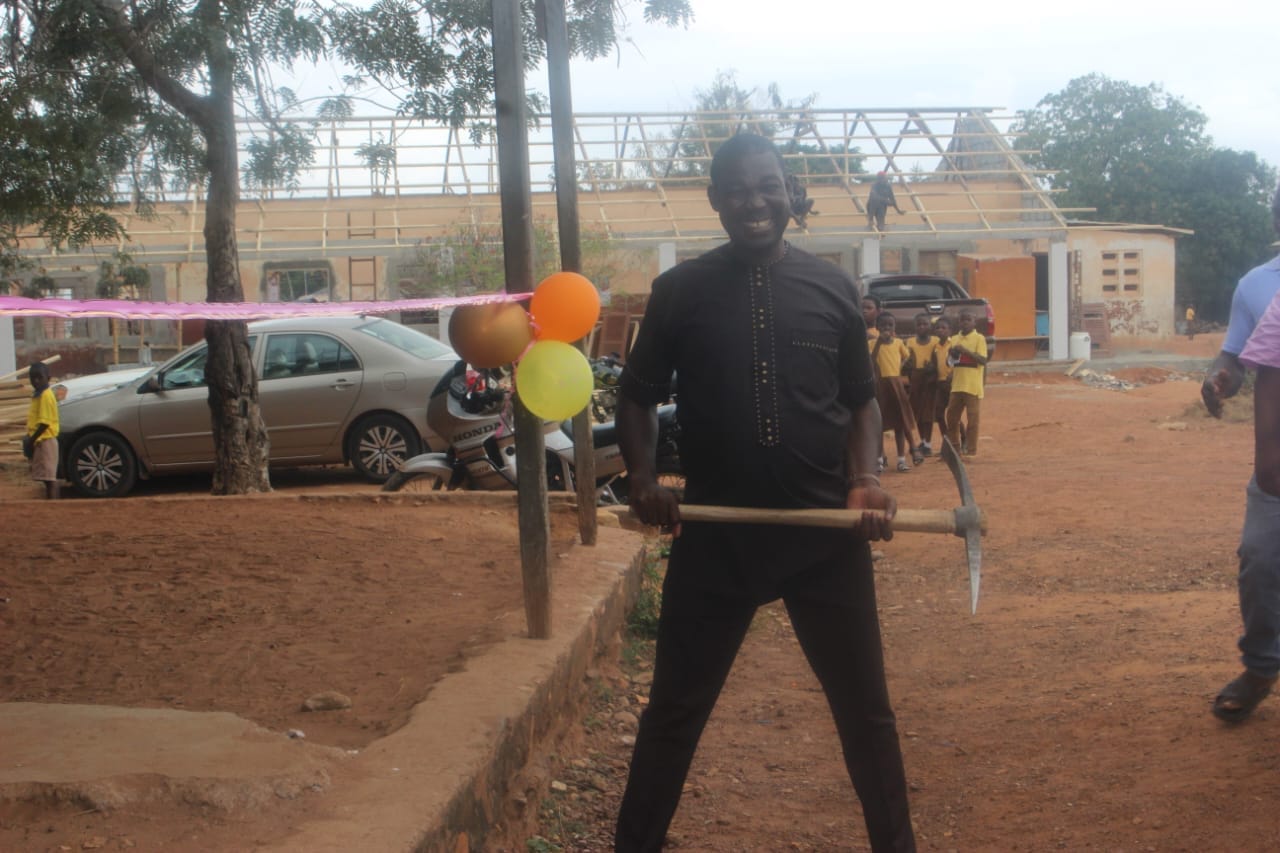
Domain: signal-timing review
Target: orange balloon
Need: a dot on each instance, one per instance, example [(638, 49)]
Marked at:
[(490, 335), (565, 307)]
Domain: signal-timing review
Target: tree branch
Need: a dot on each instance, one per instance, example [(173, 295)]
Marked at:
[(182, 99)]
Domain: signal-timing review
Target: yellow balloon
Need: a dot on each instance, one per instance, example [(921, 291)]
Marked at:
[(554, 380)]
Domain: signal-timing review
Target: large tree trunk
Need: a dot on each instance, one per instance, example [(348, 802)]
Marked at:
[(239, 434)]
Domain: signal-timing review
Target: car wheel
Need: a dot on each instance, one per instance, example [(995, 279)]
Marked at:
[(380, 444), (102, 465), (403, 481)]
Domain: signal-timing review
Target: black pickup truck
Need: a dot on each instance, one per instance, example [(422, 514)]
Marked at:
[(904, 295)]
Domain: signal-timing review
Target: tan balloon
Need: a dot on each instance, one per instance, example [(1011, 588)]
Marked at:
[(490, 335)]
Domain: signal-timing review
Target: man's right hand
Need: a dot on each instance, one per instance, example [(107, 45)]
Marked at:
[(28, 446), (655, 505), (1223, 380)]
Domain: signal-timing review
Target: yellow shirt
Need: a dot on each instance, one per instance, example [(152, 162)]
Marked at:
[(969, 379), (921, 353), (940, 359), (891, 356), (1191, 314), (43, 410)]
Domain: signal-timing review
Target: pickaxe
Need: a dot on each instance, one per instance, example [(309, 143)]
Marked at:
[(966, 521)]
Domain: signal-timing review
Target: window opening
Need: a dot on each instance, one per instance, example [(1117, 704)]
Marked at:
[(1122, 273)]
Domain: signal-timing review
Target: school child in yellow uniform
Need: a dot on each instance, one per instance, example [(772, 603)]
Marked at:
[(968, 356), (922, 379), (870, 312), (40, 444), (888, 355), (942, 394)]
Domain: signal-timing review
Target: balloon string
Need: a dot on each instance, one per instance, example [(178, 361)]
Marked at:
[(533, 339)]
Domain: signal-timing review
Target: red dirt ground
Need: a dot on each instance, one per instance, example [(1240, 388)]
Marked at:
[(1072, 713)]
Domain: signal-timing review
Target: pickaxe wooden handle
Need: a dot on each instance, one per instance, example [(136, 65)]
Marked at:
[(906, 520), (967, 521)]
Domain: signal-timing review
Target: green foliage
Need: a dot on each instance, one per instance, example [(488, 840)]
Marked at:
[(39, 287), (538, 844), (379, 157), (60, 143), (1227, 194), (1110, 139), (103, 101), (819, 163), (337, 109), (643, 620), (277, 159), (435, 56), (122, 279), (470, 260), (725, 108), (100, 99), (1140, 155)]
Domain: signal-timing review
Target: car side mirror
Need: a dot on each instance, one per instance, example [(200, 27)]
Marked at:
[(152, 385)]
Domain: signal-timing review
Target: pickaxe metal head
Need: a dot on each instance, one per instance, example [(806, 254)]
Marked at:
[(969, 521)]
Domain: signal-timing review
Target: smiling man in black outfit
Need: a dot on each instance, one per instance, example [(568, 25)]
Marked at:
[(777, 409)]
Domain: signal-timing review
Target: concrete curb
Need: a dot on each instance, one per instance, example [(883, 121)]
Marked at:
[(442, 782), (1120, 361)]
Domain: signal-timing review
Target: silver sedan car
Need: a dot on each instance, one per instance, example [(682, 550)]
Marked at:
[(332, 390)]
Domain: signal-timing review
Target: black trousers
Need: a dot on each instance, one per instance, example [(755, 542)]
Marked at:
[(877, 211), (833, 610)]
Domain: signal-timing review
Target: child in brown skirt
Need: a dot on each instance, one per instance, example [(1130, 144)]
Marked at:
[(888, 355), (922, 378)]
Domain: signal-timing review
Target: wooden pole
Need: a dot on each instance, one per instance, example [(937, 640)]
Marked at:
[(557, 36), (22, 371), (517, 249)]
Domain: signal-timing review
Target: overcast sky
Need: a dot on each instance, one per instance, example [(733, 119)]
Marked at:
[(1222, 57)]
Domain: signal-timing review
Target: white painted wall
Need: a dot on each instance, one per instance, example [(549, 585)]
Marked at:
[(1149, 313), (1059, 303), (8, 349)]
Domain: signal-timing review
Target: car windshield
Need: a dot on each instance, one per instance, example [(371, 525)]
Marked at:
[(403, 338)]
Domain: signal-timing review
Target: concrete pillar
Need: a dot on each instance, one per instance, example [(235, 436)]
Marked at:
[(8, 347), (1059, 302), (666, 256), (913, 260), (445, 315), (870, 256)]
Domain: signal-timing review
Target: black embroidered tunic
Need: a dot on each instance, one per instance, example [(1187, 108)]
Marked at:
[(770, 361)]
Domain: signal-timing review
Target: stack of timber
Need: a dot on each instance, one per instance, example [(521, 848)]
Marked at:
[(15, 399)]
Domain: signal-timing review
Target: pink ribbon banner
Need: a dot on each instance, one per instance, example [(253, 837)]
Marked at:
[(124, 309)]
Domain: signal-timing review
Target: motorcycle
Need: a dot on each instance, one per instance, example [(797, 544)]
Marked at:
[(607, 373), (471, 411)]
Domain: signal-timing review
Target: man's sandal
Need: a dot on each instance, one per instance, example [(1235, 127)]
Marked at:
[(1238, 699)]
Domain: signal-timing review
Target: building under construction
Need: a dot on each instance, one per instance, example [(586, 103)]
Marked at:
[(393, 207)]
